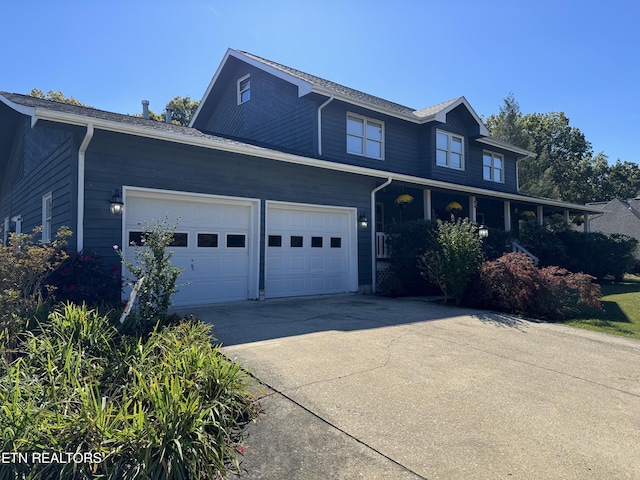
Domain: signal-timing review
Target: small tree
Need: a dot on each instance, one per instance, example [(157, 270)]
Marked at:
[(153, 262), (455, 258)]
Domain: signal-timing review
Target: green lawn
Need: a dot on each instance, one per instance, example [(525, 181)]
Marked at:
[(621, 314)]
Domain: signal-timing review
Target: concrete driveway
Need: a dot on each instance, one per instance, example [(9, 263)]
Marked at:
[(366, 387)]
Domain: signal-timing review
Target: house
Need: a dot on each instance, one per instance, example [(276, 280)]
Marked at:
[(281, 186), (618, 216)]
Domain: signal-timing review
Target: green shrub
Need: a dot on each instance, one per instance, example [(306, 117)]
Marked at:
[(152, 261), (455, 258), (514, 284), (168, 406), (25, 264)]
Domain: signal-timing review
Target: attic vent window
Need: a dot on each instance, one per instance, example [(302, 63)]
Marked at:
[(244, 89)]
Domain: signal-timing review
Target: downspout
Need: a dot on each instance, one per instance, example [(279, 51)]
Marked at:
[(374, 257), (320, 123), (83, 148)]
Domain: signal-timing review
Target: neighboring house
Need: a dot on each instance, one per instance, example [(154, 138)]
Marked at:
[(282, 185), (619, 216)]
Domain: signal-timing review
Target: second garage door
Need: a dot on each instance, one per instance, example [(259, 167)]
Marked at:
[(310, 250)]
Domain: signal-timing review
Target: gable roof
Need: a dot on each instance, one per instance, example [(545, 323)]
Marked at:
[(618, 216), (308, 83)]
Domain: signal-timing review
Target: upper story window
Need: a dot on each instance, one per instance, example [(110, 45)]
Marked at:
[(47, 214), (493, 167), (244, 89), (449, 150), (365, 136)]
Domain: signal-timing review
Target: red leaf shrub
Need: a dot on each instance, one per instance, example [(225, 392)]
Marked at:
[(514, 284)]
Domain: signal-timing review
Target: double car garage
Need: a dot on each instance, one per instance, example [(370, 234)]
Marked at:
[(232, 248)]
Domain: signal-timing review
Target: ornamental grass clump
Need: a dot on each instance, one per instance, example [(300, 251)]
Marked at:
[(168, 405)]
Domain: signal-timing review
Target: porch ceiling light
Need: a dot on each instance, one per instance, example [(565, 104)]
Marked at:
[(116, 205)]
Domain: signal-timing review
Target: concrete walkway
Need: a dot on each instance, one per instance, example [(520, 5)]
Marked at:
[(375, 388)]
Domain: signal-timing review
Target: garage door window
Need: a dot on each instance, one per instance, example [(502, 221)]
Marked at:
[(275, 240), (316, 242), (236, 241), (296, 241), (179, 240), (207, 240), (336, 242)]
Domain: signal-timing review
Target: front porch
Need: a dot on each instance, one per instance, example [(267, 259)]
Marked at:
[(400, 202)]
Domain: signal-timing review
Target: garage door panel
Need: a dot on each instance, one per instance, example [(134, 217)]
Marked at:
[(318, 263), (214, 273)]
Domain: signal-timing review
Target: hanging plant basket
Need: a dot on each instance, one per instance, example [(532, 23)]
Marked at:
[(404, 199), (453, 207)]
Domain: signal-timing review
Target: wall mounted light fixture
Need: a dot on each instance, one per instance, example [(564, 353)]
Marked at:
[(116, 205), (363, 221)]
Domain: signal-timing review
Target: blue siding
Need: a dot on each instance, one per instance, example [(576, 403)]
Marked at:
[(273, 116), (41, 161), (115, 160), (401, 140)]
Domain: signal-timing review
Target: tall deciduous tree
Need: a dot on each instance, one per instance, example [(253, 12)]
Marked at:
[(56, 97), (564, 167)]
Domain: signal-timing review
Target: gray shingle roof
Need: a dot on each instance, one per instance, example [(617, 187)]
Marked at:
[(335, 87)]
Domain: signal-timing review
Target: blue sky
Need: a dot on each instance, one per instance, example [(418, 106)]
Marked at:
[(581, 57)]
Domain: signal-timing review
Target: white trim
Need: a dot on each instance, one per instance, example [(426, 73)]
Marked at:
[(510, 148), (240, 90), (351, 242), (364, 138), (47, 216), (253, 240)]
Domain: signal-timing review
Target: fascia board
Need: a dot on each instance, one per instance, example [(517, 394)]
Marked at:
[(511, 148), (254, 151)]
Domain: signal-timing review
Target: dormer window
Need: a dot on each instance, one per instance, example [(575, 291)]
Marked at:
[(492, 167), (449, 150), (365, 136), (244, 89)]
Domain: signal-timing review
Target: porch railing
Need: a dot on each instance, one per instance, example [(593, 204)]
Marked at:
[(382, 248), (516, 247)]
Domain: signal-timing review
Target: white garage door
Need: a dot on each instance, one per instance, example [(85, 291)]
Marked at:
[(310, 250), (214, 242)]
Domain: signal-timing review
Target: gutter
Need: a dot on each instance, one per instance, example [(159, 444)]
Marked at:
[(320, 123), (374, 256), (80, 184)]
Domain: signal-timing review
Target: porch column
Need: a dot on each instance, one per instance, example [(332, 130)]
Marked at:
[(426, 203), (566, 217), (587, 226), (473, 209), (507, 216), (540, 215)]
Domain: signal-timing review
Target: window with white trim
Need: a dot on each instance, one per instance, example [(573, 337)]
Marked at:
[(449, 150), (493, 167), (47, 210), (244, 89), (365, 136)]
